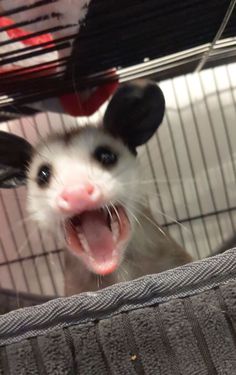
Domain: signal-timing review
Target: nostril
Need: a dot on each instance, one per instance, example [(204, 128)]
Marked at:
[(64, 197), (63, 202), (90, 189)]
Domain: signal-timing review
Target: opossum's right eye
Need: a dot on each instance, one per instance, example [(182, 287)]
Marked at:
[(44, 175), (105, 156)]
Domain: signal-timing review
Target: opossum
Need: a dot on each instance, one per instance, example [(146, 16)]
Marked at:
[(85, 185)]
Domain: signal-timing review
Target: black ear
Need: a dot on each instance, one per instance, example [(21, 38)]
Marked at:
[(135, 112), (15, 155)]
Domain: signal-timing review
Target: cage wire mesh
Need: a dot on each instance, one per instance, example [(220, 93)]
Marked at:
[(188, 167), (55, 41), (188, 172)]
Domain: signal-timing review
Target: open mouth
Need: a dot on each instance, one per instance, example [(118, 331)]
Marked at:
[(98, 237)]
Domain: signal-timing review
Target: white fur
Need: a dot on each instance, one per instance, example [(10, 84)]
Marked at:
[(149, 250), (74, 163)]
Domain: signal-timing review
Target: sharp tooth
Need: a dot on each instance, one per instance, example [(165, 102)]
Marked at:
[(115, 229), (106, 213), (107, 217), (83, 242), (108, 221)]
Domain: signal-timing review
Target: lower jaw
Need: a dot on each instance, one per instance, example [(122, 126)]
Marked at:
[(103, 270), (98, 268)]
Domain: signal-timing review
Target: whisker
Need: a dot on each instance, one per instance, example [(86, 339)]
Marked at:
[(123, 170), (132, 214), (173, 220), (148, 218), (132, 263), (109, 212), (18, 224), (144, 182), (26, 242), (99, 281), (122, 275), (21, 222), (161, 213), (116, 212), (124, 270)]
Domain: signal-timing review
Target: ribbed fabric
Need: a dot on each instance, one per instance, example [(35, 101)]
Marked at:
[(187, 330), (11, 300)]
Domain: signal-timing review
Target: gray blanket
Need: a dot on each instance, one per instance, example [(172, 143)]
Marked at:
[(180, 322)]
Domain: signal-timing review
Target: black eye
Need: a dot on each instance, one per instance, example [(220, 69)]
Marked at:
[(44, 175), (105, 156)]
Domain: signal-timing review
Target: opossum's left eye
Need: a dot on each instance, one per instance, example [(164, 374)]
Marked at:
[(105, 156), (44, 175)]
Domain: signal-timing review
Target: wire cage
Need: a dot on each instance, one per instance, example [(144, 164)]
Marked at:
[(189, 166)]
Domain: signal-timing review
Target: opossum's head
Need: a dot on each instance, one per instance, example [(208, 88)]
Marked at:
[(85, 182)]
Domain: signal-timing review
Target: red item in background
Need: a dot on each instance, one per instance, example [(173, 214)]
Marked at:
[(83, 103), (15, 33), (79, 105)]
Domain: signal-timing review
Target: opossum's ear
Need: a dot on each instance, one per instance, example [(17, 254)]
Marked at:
[(15, 155), (135, 112)]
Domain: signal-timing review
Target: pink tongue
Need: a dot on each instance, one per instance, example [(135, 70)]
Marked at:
[(98, 236)]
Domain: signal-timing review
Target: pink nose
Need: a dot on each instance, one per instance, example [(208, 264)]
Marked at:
[(79, 198)]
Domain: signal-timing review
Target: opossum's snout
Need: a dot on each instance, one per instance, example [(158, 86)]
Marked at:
[(79, 198)]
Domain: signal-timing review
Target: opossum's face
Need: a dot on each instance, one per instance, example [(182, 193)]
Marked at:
[(84, 184)]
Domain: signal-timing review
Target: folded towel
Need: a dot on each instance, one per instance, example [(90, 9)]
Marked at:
[(180, 322)]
